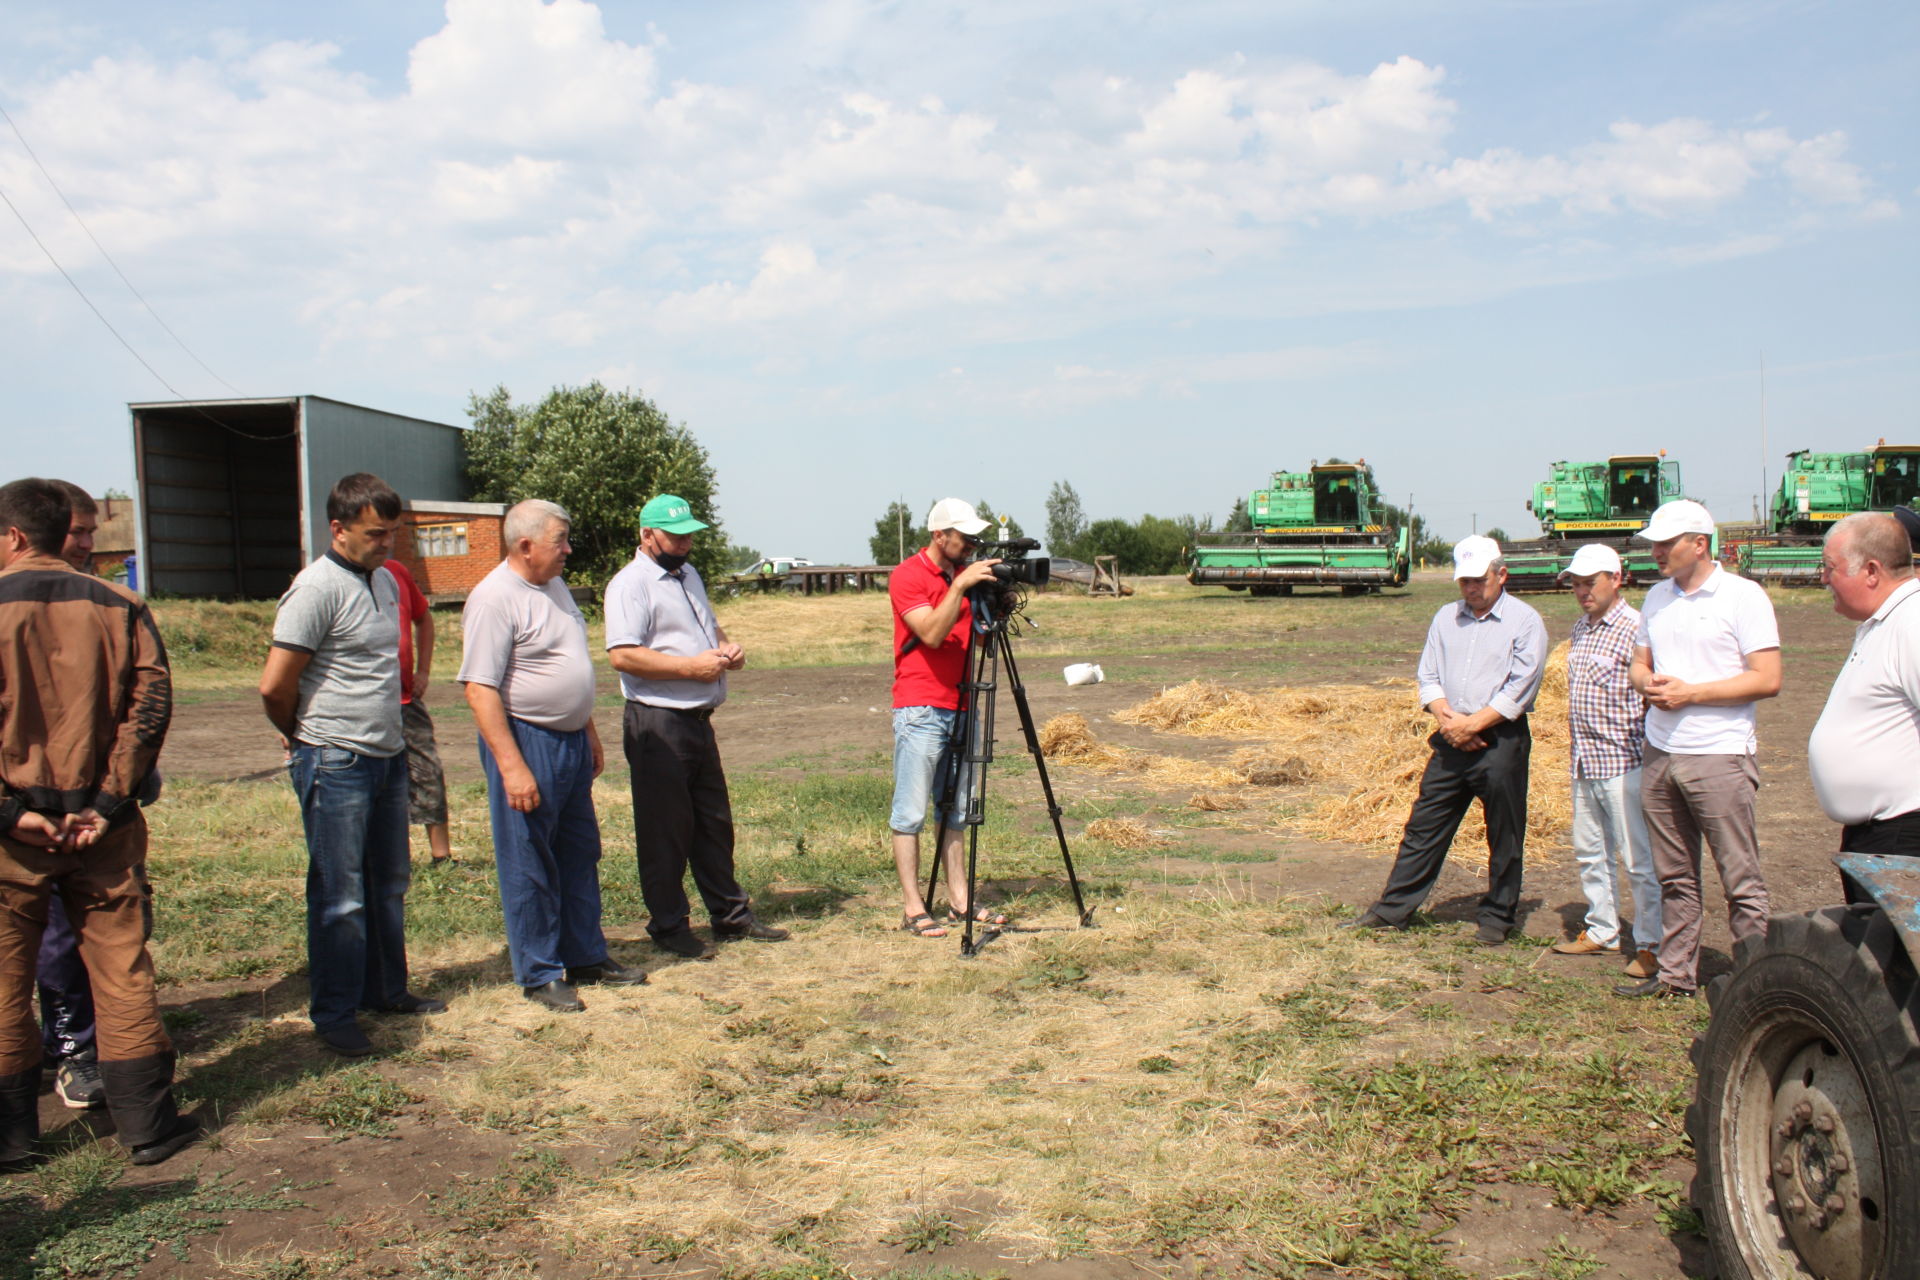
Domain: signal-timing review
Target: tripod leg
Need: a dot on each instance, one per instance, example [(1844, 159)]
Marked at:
[(1046, 782), (946, 789)]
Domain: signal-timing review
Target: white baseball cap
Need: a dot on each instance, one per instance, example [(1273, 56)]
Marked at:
[(1473, 556), (1671, 519), (1595, 557), (952, 513)]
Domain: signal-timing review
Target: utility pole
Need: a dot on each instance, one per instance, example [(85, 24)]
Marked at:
[(900, 509)]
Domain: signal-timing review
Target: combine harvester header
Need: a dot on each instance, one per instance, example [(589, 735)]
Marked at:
[(1321, 527), (1817, 490), (1583, 502)]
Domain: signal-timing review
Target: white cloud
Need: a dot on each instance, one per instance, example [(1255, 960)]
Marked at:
[(536, 180)]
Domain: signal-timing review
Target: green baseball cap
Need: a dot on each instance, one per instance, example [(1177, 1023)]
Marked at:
[(671, 513)]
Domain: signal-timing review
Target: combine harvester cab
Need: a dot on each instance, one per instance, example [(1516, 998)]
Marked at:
[(1817, 490), (1319, 527), (1583, 502)]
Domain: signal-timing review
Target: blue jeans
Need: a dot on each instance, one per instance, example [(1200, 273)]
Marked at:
[(354, 808), (548, 860), (922, 743)]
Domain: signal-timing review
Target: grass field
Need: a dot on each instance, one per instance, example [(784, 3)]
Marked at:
[(1210, 1082)]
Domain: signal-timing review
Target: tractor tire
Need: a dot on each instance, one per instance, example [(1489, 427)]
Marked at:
[(1806, 1119)]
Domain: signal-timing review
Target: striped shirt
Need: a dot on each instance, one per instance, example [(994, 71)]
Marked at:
[(1606, 713), (1493, 661)]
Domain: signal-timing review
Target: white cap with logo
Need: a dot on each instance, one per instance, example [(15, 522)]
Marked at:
[(1595, 557), (1671, 519), (952, 513), (1474, 555)]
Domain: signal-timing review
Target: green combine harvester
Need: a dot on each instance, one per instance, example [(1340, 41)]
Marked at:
[(1583, 502), (1321, 527), (1818, 489)]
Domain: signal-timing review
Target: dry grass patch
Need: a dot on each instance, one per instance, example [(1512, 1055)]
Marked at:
[(1367, 743), (1044, 1084)]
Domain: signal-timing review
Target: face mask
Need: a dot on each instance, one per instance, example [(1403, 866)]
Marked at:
[(669, 561)]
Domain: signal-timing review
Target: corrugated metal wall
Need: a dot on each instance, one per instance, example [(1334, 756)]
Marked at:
[(421, 460)]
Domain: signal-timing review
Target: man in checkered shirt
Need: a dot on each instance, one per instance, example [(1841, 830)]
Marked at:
[(1607, 716)]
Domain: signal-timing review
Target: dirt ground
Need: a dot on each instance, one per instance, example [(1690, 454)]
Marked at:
[(775, 717)]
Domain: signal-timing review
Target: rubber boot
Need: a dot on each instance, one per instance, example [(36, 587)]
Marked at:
[(140, 1100), (19, 1117)]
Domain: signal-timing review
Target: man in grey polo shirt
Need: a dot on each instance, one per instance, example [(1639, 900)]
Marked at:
[(529, 679), (673, 660), (1479, 674), (332, 688)]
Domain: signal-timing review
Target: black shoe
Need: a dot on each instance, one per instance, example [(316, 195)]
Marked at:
[(683, 942), (610, 972), (755, 932), (1651, 989), (1492, 935), (557, 996), (411, 1003), (185, 1130), (347, 1040), (1368, 920)]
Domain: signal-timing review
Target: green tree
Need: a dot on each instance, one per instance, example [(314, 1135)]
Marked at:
[(1066, 520), (895, 534), (600, 454), (1238, 521), (1114, 538), (1499, 535), (1427, 545), (741, 558), (115, 494)]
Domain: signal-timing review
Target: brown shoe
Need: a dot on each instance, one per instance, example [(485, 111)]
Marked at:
[(1580, 946), (1643, 965)]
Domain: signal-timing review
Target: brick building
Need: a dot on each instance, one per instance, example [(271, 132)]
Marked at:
[(449, 546)]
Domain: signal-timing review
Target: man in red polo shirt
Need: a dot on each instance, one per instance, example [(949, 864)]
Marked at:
[(932, 629)]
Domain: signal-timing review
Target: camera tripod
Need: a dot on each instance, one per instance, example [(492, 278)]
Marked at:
[(970, 751)]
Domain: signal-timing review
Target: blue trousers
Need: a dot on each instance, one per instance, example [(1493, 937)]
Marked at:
[(548, 860), (66, 997), (354, 808)]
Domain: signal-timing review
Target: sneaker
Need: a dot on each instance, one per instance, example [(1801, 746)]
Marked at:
[(78, 1084), (1643, 965), (1584, 945)]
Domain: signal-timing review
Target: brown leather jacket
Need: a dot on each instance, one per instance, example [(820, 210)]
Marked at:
[(85, 693)]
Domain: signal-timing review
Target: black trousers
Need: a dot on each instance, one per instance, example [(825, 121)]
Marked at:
[(681, 818), (1496, 776), (1898, 837)]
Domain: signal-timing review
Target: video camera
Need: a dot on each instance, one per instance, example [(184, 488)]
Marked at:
[(1015, 566)]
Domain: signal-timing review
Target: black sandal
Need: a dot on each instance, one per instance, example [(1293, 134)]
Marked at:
[(922, 926), (992, 919)]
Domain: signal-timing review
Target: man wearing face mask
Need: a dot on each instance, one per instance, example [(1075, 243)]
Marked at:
[(673, 660)]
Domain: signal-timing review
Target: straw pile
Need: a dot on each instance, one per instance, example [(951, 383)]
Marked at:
[(1067, 740), (1124, 833), (1364, 744)]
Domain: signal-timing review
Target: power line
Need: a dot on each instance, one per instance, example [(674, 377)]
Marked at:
[(109, 257), (121, 338)]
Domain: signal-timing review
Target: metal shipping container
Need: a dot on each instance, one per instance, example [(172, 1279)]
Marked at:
[(233, 493)]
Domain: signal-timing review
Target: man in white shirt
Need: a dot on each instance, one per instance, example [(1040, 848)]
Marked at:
[(1865, 751), (1707, 650)]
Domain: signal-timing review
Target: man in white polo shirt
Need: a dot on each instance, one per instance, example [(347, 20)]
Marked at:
[(1865, 751), (1707, 650)]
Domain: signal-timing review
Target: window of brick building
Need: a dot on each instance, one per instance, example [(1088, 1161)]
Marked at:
[(440, 539)]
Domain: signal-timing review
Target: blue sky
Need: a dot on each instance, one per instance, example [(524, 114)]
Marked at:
[(872, 250)]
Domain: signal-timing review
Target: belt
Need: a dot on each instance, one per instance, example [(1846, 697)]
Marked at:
[(692, 713)]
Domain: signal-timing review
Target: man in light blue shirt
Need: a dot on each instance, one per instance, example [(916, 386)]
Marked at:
[(1479, 674), (673, 658)]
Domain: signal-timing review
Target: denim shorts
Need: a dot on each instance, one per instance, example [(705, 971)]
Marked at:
[(922, 739)]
